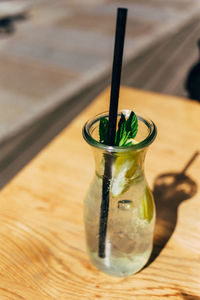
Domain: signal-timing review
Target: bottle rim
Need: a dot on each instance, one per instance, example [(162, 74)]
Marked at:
[(142, 144)]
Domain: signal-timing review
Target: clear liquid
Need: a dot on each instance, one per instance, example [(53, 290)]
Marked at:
[(121, 266), (129, 236)]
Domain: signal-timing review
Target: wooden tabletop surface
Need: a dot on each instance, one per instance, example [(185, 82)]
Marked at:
[(42, 244)]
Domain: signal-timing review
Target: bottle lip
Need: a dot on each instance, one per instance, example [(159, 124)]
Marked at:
[(142, 144)]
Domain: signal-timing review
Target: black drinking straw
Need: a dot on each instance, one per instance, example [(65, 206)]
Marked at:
[(114, 99)]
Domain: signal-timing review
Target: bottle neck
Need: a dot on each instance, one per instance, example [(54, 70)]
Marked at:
[(121, 163)]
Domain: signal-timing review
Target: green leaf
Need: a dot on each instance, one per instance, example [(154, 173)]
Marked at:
[(133, 126), (127, 129), (124, 137), (121, 129), (103, 130), (128, 144), (129, 122)]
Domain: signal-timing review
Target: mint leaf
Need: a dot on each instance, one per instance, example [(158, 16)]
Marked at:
[(121, 130), (127, 129), (132, 125), (129, 121), (103, 130), (128, 144)]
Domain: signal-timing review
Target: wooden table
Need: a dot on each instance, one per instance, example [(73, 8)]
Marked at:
[(42, 246)]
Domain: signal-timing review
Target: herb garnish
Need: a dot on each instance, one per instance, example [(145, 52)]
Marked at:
[(127, 129)]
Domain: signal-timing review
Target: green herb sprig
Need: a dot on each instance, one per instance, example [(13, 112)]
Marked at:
[(127, 129)]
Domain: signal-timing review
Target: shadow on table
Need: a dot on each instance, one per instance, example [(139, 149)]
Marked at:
[(170, 190), (187, 296)]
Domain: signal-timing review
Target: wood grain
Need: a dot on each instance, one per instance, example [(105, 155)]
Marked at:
[(42, 247)]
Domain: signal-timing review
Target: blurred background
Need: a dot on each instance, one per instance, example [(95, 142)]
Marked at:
[(56, 56)]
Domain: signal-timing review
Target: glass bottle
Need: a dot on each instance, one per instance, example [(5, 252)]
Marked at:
[(131, 211)]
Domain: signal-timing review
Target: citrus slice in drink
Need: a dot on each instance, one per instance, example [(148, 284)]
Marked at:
[(124, 170), (146, 207)]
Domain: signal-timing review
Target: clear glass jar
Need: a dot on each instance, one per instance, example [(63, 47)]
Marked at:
[(131, 209)]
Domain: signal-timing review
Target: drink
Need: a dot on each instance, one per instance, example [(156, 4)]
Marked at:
[(129, 235), (131, 218)]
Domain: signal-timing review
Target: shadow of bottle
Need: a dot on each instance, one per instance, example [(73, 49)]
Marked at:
[(186, 296), (170, 190)]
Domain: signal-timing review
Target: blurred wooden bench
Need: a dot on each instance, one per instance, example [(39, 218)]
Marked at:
[(161, 68), (11, 11)]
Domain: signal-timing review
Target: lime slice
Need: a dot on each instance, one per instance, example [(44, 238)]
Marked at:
[(146, 208), (123, 170)]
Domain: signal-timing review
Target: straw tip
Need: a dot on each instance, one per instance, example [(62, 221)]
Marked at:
[(123, 9)]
